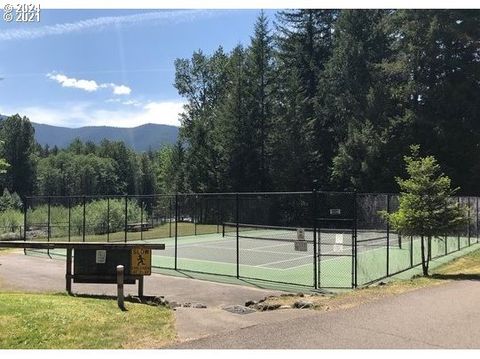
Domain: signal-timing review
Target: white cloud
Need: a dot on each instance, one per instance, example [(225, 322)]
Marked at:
[(121, 90), (102, 22), (79, 115), (88, 85)]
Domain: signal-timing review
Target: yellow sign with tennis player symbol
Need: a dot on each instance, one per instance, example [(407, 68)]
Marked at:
[(141, 263)]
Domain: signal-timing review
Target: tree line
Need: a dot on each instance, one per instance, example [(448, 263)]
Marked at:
[(333, 99), (83, 168)]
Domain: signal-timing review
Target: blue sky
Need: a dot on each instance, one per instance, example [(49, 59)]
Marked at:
[(108, 67)]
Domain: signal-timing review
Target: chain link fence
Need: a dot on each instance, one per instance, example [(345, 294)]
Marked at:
[(314, 239)]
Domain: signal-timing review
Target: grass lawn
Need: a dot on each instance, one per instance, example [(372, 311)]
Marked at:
[(59, 321), (466, 267)]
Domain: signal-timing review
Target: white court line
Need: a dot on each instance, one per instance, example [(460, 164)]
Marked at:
[(249, 250), (286, 260)]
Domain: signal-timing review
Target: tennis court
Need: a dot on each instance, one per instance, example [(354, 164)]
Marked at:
[(314, 239)]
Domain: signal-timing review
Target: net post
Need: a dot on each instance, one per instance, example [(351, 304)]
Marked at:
[(108, 219), (83, 223), (355, 256), (388, 236), (126, 218), (176, 229), (237, 233), (69, 219), (314, 213)]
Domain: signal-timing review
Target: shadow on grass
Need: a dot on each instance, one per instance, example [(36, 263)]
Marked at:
[(147, 300), (460, 276)]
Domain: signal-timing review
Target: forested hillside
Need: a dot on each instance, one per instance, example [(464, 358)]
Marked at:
[(333, 96), (331, 99), (140, 138)]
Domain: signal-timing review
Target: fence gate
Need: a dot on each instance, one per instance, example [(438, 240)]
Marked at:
[(336, 239)]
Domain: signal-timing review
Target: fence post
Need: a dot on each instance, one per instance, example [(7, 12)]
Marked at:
[(218, 213), (195, 198), (446, 244), (83, 224), (237, 233), (314, 214), (69, 219), (141, 218), (126, 217), (355, 259), (458, 236), (108, 219), (48, 220), (25, 209), (176, 229), (388, 236), (468, 230), (477, 218), (411, 251), (169, 217)]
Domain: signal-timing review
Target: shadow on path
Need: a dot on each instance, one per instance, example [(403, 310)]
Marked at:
[(460, 276)]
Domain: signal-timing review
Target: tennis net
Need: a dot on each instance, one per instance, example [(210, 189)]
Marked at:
[(336, 236)]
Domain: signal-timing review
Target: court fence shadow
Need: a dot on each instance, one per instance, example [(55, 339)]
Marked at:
[(459, 276)]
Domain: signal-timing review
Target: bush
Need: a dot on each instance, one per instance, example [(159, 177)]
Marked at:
[(97, 217), (10, 201), (10, 221)]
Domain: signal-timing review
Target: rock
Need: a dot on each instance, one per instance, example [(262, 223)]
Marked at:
[(174, 304), (187, 305), (300, 295), (287, 295), (303, 304), (199, 305), (250, 303), (265, 306), (285, 307)]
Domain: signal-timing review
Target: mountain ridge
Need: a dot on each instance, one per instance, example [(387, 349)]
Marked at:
[(140, 138)]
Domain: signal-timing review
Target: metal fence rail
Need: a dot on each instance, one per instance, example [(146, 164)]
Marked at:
[(315, 239)]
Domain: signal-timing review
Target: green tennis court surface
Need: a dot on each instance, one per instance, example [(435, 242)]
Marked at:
[(279, 261)]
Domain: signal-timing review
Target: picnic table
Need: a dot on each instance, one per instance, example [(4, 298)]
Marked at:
[(138, 226)]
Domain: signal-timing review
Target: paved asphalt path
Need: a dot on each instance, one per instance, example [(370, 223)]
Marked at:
[(444, 316)]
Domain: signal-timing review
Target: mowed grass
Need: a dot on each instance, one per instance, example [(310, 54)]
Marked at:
[(59, 321)]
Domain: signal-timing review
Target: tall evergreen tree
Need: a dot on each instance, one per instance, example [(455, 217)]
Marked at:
[(259, 71), (304, 42), (19, 151)]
